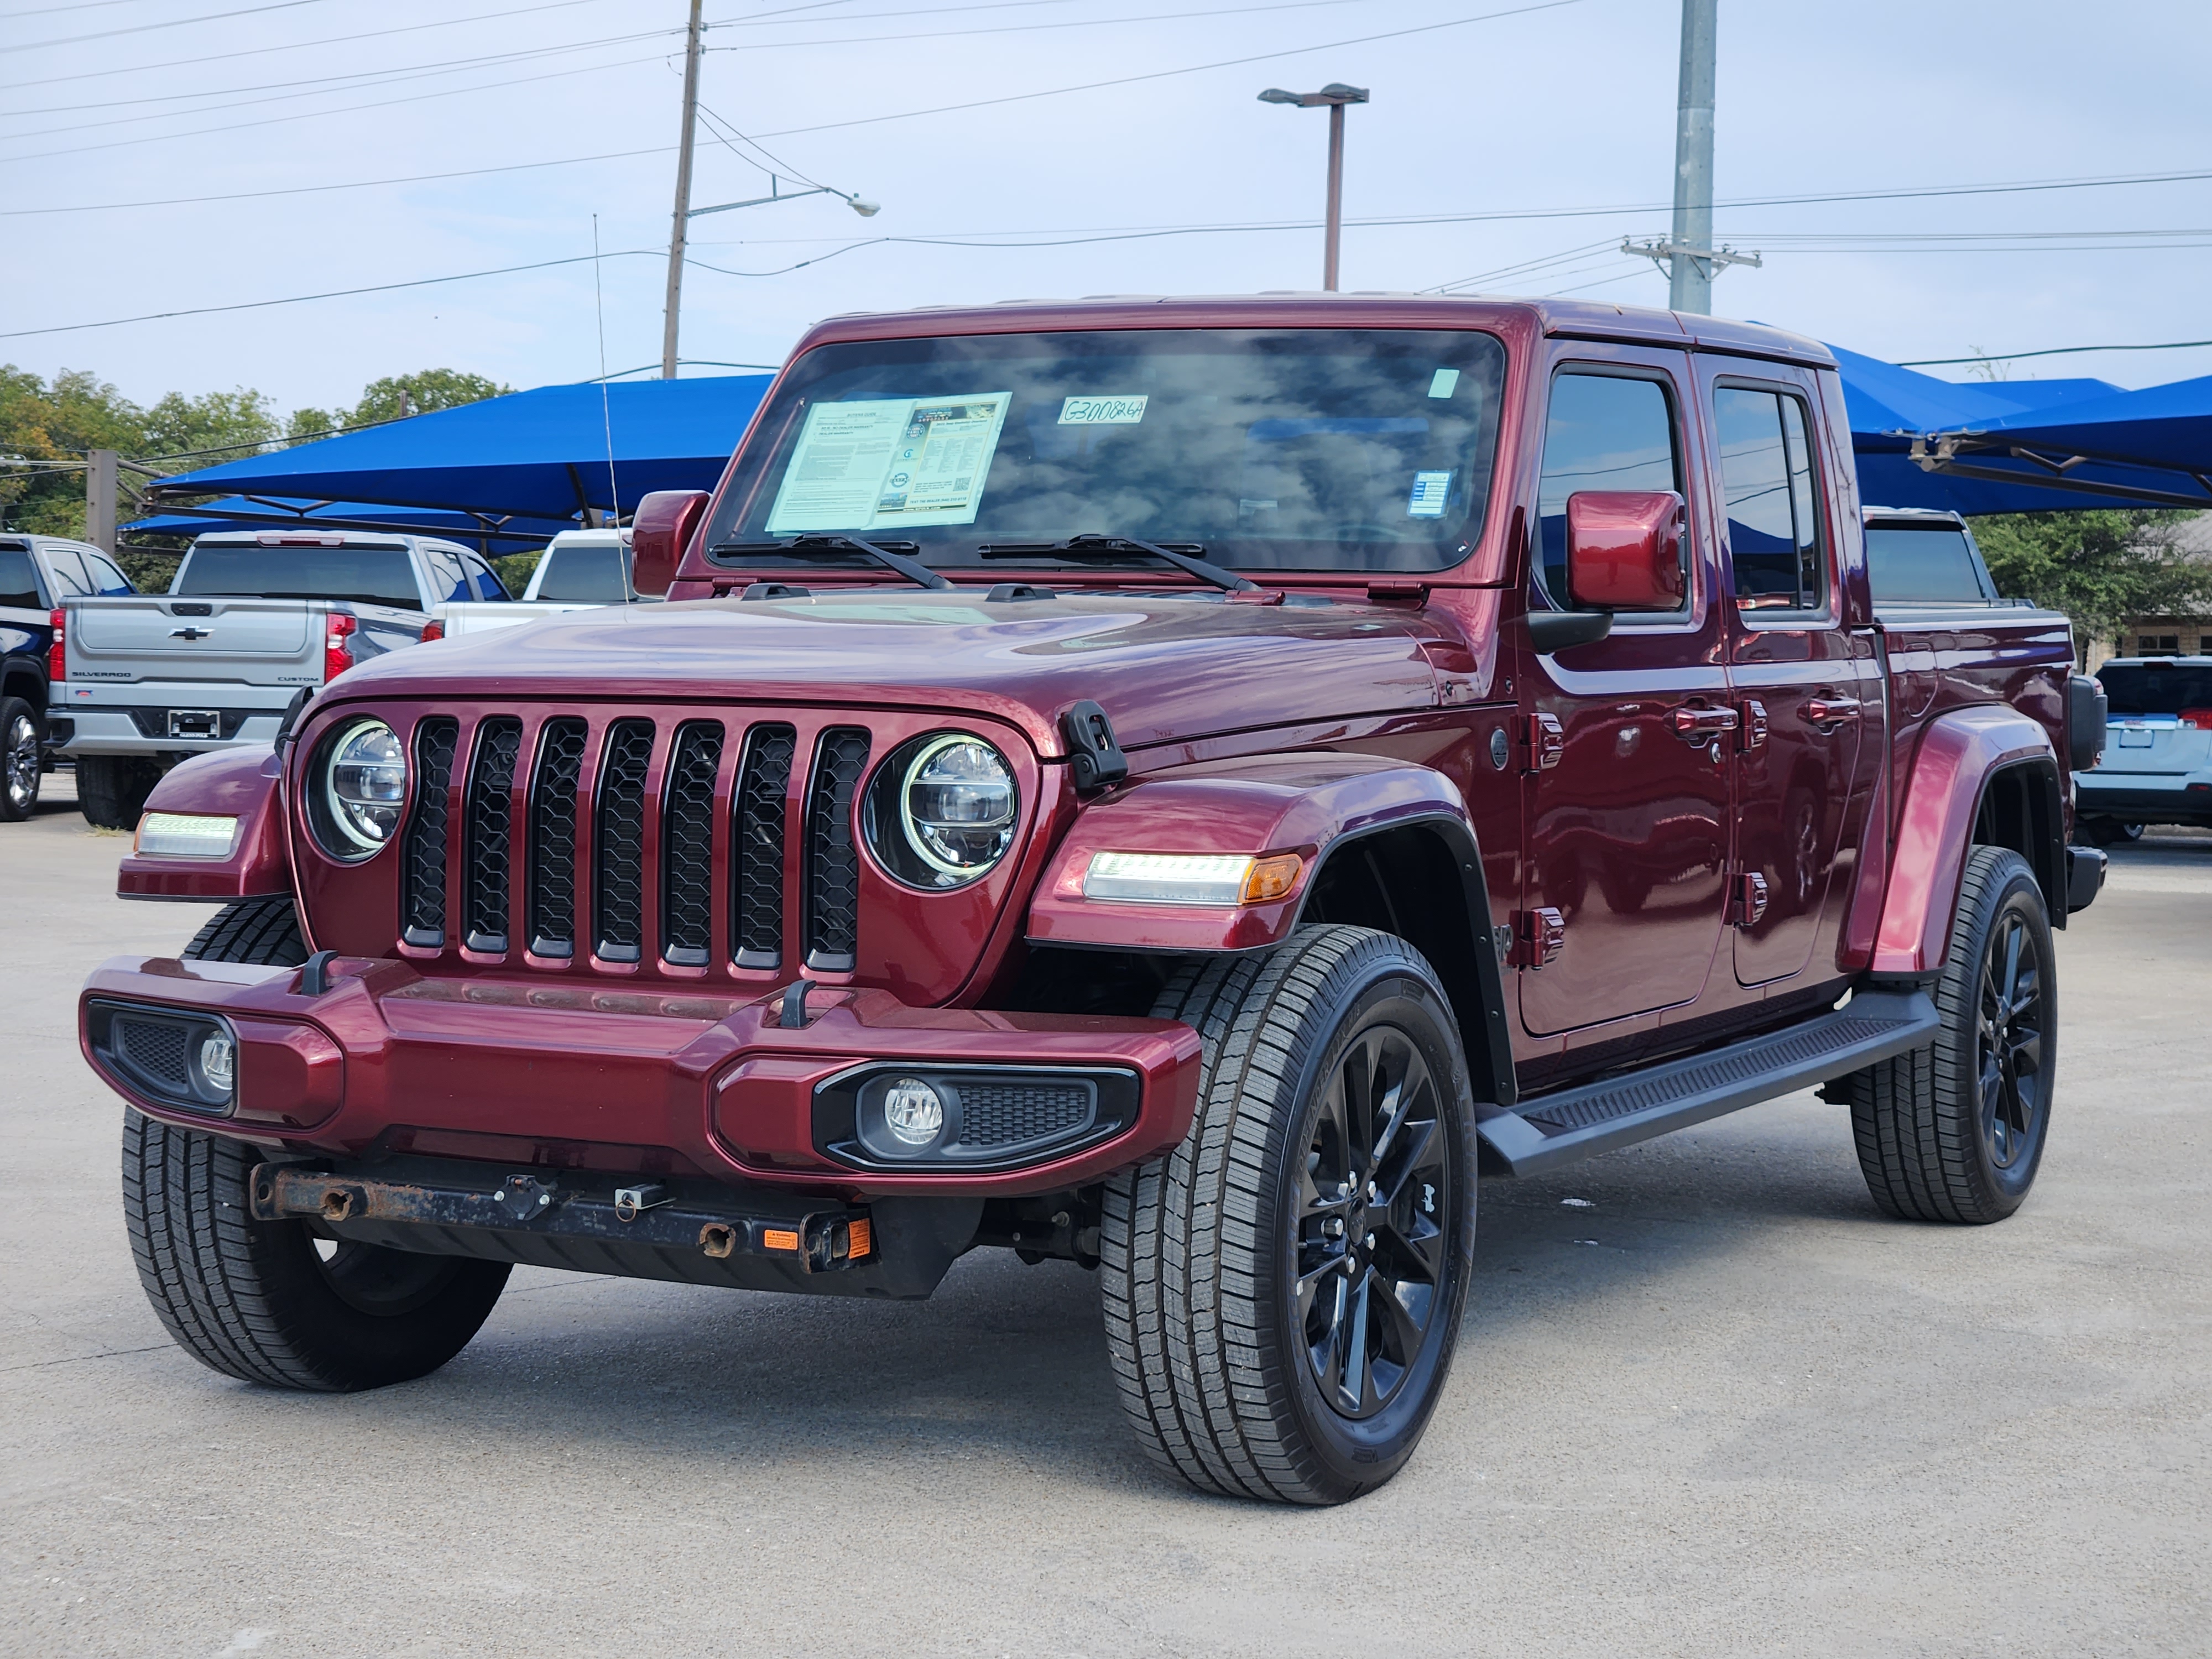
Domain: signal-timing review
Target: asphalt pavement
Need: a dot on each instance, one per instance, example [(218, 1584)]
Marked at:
[(1707, 1401)]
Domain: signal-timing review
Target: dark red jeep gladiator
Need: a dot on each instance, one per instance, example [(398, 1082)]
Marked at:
[(1180, 786)]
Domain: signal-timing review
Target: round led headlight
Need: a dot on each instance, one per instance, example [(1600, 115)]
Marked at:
[(940, 812), (364, 787)]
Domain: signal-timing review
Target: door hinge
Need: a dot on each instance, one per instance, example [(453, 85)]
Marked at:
[(1543, 740), (1539, 936), (1753, 731), (1748, 901)]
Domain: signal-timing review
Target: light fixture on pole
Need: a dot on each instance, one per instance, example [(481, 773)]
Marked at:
[(1333, 97)]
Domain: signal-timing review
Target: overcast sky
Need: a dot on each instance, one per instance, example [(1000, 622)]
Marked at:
[(1543, 112)]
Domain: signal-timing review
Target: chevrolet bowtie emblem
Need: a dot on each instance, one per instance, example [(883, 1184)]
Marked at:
[(191, 634)]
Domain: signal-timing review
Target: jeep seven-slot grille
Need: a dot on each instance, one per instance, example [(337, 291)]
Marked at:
[(618, 841), (687, 846), (423, 855), (487, 859), (833, 863), (553, 837), (756, 846), (617, 829)]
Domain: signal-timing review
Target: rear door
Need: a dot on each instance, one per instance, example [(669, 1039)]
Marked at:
[(1805, 690)]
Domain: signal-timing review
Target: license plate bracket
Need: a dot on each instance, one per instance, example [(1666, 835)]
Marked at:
[(194, 723)]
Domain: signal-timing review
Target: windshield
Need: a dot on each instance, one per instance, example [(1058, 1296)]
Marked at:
[(587, 575), (365, 575), (1295, 449), (1916, 566), (2156, 689)]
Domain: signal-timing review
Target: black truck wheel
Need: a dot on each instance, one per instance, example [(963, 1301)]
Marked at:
[(258, 1300), (1283, 1290), (1954, 1131), (19, 761), (112, 789)]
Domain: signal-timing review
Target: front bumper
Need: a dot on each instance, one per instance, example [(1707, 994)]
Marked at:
[(532, 1074)]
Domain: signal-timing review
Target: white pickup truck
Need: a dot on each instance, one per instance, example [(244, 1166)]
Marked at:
[(581, 570), (250, 622)]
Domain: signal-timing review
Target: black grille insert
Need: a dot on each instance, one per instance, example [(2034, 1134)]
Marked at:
[(553, 837), (756, 846), (686, 845), (157, 1047), (833, 862), (1011, 1113), (488, 856), (618, 843), (423, 855)]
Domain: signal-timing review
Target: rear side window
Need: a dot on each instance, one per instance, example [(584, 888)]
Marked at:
[(585, 576), (1603, 432), (2157, 689), (448, 582), (66, 574), (19, 584), (365, 575), (111, 582), (1912, 565), (489, 585), (1773, 517)]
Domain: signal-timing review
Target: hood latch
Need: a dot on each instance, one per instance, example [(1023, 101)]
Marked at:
[(1094, 758)]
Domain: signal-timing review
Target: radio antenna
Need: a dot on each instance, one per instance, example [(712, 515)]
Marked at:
[(606, 410)]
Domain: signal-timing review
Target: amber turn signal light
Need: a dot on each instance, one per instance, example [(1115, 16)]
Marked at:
[(1271, 878)]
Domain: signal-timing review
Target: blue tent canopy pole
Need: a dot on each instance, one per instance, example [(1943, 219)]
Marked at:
[(224, 517), (1942, 453)]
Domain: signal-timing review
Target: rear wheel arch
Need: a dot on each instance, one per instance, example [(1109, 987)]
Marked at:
[(2022, 808)]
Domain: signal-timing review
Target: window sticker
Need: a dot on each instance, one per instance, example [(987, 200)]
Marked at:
[(1443, 383), (1431, 491), (1102, 411), (890, 462)]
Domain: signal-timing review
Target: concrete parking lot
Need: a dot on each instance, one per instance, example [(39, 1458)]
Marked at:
[(1707, 1401)]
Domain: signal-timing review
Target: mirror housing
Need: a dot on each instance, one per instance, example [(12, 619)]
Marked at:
[(660, 529), (1625, 550)]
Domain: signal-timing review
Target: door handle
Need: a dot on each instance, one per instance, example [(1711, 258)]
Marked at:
[(1699, 726), (1830, 710)]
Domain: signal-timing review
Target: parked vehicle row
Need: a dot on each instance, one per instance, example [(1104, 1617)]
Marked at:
[(581, 570), (1178, 787)]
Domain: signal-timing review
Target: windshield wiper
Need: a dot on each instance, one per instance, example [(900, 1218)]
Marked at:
[(883, 553), (1095, 546)]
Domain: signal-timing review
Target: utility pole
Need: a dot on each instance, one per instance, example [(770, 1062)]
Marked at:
[(1688, 256), (672, 312), (1334, 96), (99, 500), (1691, 286)]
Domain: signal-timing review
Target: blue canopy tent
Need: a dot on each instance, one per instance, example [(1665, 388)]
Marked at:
[(2025, 445), (488, 532), (551, 455)]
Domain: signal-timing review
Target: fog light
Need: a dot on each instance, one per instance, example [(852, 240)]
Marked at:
[(219, 1062), (912, 1111)]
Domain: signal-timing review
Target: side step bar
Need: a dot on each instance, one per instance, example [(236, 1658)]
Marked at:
[(1540, 1134)]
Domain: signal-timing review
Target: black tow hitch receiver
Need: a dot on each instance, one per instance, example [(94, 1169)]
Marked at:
[(569, 1204)]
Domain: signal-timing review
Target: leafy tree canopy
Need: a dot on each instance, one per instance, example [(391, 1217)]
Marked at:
[(2099, 567), (398, 396)]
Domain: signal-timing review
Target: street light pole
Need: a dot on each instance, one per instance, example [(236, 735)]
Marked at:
[(1690, 284), (1333, 96), (673, 309)]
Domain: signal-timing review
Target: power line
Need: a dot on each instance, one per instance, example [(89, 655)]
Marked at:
[(2050, 351), (166, 23)]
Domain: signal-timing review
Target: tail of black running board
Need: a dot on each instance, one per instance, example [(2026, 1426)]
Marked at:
[(1550, 1130)]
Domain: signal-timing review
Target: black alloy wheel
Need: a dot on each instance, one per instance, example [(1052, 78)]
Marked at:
[(19, 761), (2008, 1041), (1955, 1129), (1368, 1253)]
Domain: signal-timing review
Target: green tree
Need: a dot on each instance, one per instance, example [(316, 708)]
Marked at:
[(2099, 567), (431, 389), (56, 424)]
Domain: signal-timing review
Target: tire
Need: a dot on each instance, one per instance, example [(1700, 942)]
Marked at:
[(20, 735), (1954, 1131), (112, 789), (1231, 1380), (255, 1300)]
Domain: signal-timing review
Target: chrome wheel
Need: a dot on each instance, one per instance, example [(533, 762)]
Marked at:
[(22, 765), (1370, 1246)]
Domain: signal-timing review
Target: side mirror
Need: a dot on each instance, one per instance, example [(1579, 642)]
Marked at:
[(1625, 550), (661, 530)]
